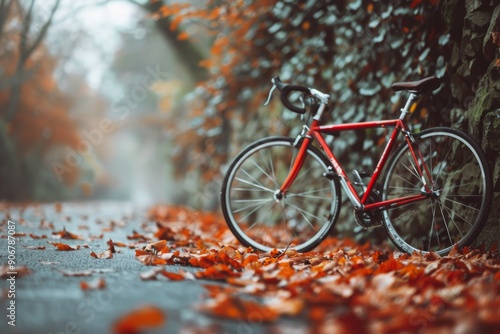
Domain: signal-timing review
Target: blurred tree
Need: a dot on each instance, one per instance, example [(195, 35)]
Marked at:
[(30, 38), (38, 121)]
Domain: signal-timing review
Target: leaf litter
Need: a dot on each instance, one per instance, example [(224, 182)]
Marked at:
[(339, 285)]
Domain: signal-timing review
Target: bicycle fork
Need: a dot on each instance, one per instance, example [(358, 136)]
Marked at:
[(306, 139)]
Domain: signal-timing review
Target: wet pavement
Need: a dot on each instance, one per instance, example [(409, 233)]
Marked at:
[(47, 301)]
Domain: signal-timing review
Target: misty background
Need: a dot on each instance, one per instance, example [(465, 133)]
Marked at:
[(114, 76)]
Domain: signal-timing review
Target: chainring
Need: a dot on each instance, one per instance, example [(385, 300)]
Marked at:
[(370, 219)]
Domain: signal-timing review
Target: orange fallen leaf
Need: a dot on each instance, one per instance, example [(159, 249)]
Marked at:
[(111, 246), (135, 236), (172, 276), (251, 258), (157, 246), (145, 317), (119, 244), (139, 252), (235, 308), (390, 265), (151, 260), (63, 247), (97, 284), (33, 236), (66, 235)]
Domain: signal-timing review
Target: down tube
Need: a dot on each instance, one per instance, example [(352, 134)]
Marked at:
[(349, 189)]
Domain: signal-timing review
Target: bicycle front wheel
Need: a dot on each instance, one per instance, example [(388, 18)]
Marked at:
[(301, 219), (461, 184)]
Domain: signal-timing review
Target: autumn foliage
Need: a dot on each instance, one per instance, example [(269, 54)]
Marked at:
[(342, 286), (34, 118)]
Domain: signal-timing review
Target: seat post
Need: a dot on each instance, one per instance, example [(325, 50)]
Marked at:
[(406, 109)]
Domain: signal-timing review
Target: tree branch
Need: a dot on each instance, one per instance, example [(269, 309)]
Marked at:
[(4, 14), (44, 29)]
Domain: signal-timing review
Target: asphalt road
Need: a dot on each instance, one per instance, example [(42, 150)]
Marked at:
[(46, 301)]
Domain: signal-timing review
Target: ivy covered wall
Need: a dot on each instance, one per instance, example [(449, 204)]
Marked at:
[(474, 72)]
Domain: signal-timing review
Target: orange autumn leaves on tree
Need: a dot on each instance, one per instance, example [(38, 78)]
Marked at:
[(34, 110), (42, 118)]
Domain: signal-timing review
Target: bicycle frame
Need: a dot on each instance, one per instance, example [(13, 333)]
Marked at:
[(316, 130)]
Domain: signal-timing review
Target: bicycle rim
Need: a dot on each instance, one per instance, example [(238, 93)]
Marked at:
[(460, 179), (301, 220)]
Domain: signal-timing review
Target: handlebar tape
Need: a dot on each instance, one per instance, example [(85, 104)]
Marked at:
[(285, 90)]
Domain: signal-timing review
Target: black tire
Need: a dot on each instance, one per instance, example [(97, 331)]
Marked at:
[(462, 183), (301, 220)]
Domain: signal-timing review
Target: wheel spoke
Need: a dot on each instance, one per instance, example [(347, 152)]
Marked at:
[(457, 214), (255, 185), (462, 204), (265, 173), (259, 219), (462, 189)]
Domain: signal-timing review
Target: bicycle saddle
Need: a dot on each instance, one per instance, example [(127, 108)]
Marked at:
[(418, 87)]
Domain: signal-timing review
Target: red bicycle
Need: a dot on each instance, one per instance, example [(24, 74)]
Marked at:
[(431, 192)]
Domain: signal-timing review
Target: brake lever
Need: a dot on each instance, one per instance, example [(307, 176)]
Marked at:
[(270, 95)]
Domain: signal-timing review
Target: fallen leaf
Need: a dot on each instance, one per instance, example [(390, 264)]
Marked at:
[(66, 235), (104, 255), (70, 273), (151, 260), (145, 317), (136, 236), (111, 246), (96, 284), (6, 271), (119, 244), (63, 247), (172, 276), (235, 308), (48, 263), (33, 236), (159, 246), (33, 247), (150, 274)]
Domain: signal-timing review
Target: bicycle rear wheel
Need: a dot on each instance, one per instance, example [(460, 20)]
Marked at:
[(461, 181), (301, 219)]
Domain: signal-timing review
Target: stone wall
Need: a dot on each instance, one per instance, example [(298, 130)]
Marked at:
[(474, 71)]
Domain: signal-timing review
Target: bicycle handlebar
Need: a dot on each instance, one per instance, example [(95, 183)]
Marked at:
[(286, 89)]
